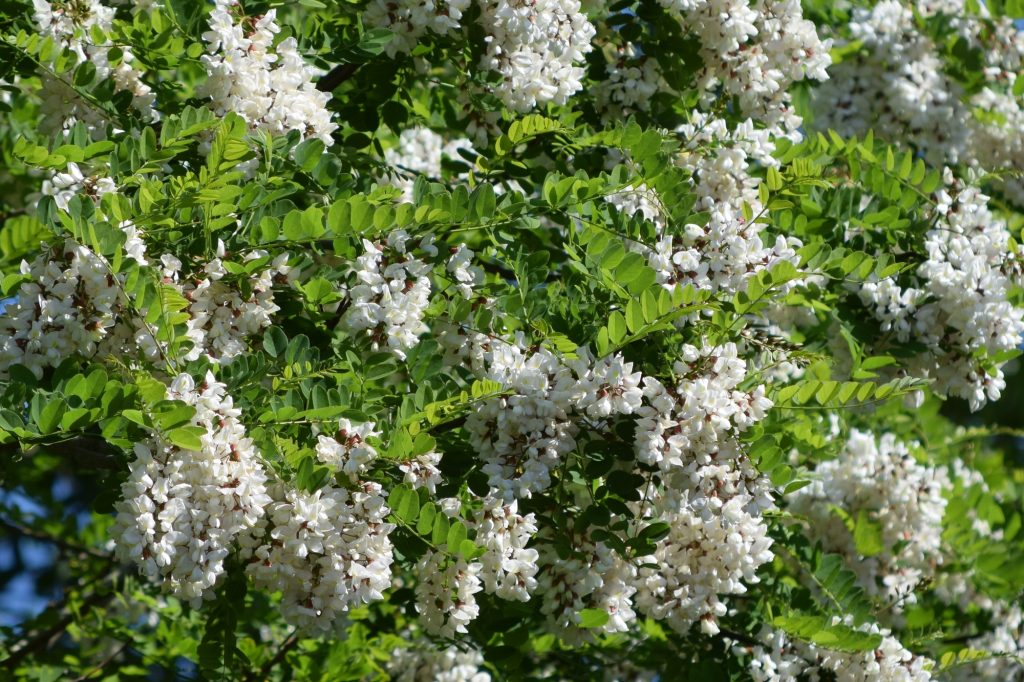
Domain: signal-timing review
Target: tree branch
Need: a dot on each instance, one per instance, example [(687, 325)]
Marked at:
[(29, 532), (264, 671), (87, 452), (46, 638), (336, 76)]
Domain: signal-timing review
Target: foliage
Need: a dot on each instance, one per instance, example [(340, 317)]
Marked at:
[(373, 353)]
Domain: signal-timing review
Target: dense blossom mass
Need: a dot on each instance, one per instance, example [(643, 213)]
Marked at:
[(434, 340)]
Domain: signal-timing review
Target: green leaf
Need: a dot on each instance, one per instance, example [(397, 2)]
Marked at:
[(307, 153), (404, 503), (867, 535), (439, 533), (425, 524), (482, 202), (85, 74), (50, 416), (169, 414), (456, 534), (187, 437), (593, 618), (819, 630), (616, 327), (274, 341)]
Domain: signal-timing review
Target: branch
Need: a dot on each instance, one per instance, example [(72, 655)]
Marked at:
[(336, 76), (83, 451), (29, 532), (104, 663), (264, 671), (46, 638)]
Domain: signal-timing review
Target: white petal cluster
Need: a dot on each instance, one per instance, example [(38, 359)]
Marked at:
[(728, 249), (427, 663), (520, 438), (392, 293), (270, 86), (714, 549), (419, 152), (566, 583), (538, 48), (780, 660), (961, 308), (421, 471), (71, 305), (70, 25), (712, 496), (897, 85), (633, 79), (220, 321), (182, 510), (755, 51), (73, 181), (347, 451), (465, 275), (1006, 637), (880, 478), (445, 593), (609, 387), (594, 577), (326, 552), (695, 423), (408, 20), (508, 567), (642, 200)]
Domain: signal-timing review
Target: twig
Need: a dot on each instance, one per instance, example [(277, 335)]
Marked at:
[(103, 664), (336, 76), (30, 532), (740, 637), (46, 638), (264, 671)]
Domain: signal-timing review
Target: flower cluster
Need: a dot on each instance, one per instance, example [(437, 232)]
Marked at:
[(408, 20), (1005, 640), (878, 482), (961, 311), (419, 152), (723, 253), (392, 293), (778, 658), (220, 317), (347, 451), (594, 577), (445, 593), (521, 437), (755, 52), (73, 25), (425, 663), (632, 80), (69, 305), (508, 566), (899, 85), (184, 509), (72, 181), (326, 552), (712, 496), (270, 86), (537, 47)]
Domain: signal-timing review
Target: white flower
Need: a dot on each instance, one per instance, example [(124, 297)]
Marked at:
[(326, 552), (184, 510), (445, 590), (270, 87), (348, 450)]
